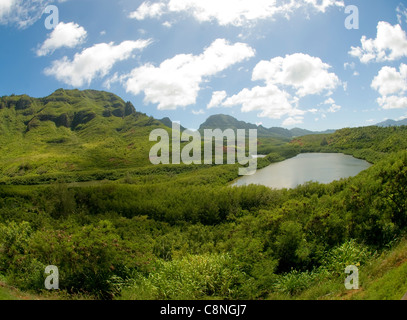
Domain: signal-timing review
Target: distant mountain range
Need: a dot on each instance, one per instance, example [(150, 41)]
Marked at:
[(392, 123), (223, 122)]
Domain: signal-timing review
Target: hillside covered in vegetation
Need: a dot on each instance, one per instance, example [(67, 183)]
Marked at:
[(77, 191)]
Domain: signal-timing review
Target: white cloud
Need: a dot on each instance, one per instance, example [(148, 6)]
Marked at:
[(269, 100), (199, 112), (392, 85), (392, 102), (113, 79), (329, 101), (93, 62), (390, 44), (5, 7), (217, 98), (334, 108), (291, 121), (67, 35), (390, 81), (230, 12), (324, 4), (309, 75), (303, 74), (148, 10), (350, 65), (176, 82), (401, 14), (23, 13), (345, 86), (225, 12)]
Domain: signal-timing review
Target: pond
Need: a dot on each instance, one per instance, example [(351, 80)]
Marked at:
[(318, 167)]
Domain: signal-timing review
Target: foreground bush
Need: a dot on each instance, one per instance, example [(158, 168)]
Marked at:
[(191, 277)]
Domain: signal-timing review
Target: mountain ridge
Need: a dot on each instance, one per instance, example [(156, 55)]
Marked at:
[(223, 122), (392, 123), (72, 131)]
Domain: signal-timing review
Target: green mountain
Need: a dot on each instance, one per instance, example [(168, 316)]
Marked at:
[(168, 123), (223, 122), (71, 131)]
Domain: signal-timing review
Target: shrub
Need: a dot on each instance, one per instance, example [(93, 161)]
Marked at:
[(349, 253), (191, 277), (294, 282), (87, 258)]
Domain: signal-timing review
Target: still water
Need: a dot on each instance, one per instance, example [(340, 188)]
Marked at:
[(318, 167)]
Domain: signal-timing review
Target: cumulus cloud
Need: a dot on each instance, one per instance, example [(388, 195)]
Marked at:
[(67, 35), (300, 73), (93, 62), (309, 75), (390, 81), (390, 44), (229, 12), (270, 101), (392, 102), (176, 81), (392, 86)]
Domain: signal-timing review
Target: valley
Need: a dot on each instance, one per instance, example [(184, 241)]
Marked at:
[(78, 191)]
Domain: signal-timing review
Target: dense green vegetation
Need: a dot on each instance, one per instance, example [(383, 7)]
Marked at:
[(370, 143), (71, 131), (129, 230)]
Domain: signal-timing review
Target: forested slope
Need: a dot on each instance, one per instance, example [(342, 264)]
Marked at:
[(182, 232)]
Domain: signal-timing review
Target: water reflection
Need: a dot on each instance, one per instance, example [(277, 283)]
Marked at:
[(319, 167)]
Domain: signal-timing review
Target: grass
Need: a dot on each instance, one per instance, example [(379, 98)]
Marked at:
[(383, 277), (8, 293), (386, 276)]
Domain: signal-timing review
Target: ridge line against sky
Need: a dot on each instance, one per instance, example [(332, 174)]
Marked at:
[(277, 63)]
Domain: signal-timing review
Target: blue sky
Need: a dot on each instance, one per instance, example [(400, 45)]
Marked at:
[(275, 62)]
